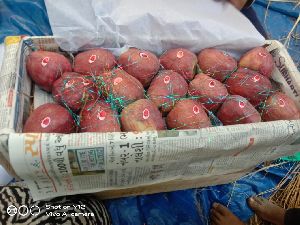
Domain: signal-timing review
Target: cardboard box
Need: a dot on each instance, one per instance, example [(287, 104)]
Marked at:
[(172, 160)]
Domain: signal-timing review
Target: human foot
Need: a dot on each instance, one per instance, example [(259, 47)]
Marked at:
[(220, 215), (267, 210)]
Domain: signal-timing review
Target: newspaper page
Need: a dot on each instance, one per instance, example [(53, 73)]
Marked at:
[(41, 97), (11, 103), (8, 80), (285, 72), (15, 87), (56, 164)]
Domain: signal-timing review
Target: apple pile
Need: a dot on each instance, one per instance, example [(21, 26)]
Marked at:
[(139, 91)]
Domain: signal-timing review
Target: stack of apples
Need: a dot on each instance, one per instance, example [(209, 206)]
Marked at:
[(139, 91)]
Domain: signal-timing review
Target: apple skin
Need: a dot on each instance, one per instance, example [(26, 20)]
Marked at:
[(237, 110), (94, 62), (120, 88), (217, 64), (181, 61), (258, 59), (50, 118), (252, 86), (279, 107), (141, 64), (73, 91), (98, 116), (187, 114), (142, 115), (209, 92), (45, 68), (166, 89)]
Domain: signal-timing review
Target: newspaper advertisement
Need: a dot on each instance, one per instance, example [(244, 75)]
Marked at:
[(57, 164)]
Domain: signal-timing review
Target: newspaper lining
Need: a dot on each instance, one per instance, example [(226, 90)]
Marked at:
[(56, 164)]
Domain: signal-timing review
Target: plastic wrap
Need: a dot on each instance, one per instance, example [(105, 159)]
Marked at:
[(153, 25)]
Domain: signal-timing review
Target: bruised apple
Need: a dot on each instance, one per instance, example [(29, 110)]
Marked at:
[(237, 110), (45, 67), (120, 87), (279, 107), (187, 114), (258, 59), (251, 85), (94, 62), (141, 64), (209, 92), (167, 88), (181, 61), (74, 91), (217, 64), (98, 116), (142, 115), (50, 118)]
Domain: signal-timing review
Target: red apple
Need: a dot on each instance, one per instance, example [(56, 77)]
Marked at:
[(253, 86), (167, 88), (187, 114), (74, 91), (141, 115), (94, 62), (98, 116), (237, 110), (50, 118), (258, 59), (45, 68), (209, 92), (181, 61), (279, 107), (217, 64), (120, 88), (141, 64)]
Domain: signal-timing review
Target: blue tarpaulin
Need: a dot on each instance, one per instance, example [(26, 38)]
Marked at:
[(23, 17), (278, 21), (188, 207), (192, 206)]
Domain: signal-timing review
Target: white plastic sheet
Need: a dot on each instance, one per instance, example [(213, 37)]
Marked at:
[(153, 25)]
